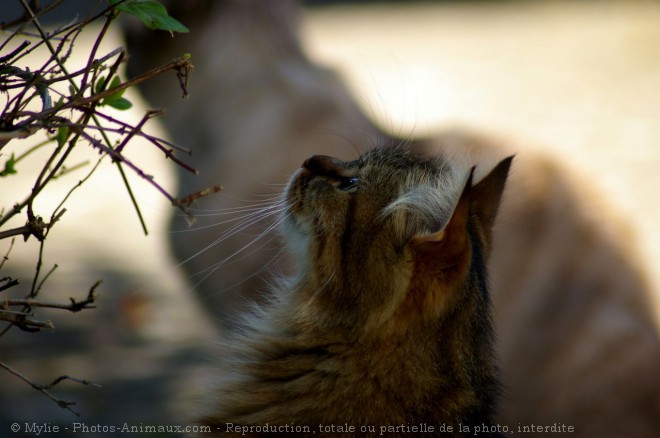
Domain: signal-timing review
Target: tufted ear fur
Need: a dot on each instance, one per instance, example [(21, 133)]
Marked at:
[(480, 202), (446, 243)]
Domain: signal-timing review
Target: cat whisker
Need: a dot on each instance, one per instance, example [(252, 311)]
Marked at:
[(228, 210), (272, 261), (247, 222), (267, 198), (278, 185), (265, 232), (253, 212), (211, 269)]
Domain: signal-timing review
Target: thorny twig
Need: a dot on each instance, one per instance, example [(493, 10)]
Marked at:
[(6, 256), (44, 388), (21, 320), (118, 157), (9, 283), (21, 124), (74, 306), (35, 227), (188, 200), (70, 119)]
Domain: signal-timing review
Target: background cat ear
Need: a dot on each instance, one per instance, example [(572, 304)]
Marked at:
[(486, 194)]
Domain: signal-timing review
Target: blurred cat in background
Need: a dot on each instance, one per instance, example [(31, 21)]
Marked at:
[(577, 340)]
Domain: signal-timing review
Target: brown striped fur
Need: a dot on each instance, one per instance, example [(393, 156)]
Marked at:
[(577, 337), (577, 334), (375, 328)]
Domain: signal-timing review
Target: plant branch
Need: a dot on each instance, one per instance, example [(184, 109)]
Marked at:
[(136, 206), (16, 51), (175, 64), (10, 282), (44, 388), (74, 306), (122, 159), (6, 256), (92, 53), (35, 227), (20, 320)]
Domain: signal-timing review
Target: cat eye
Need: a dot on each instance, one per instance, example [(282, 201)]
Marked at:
[(348, 184)]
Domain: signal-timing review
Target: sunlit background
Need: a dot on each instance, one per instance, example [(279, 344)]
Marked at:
[(579, 80)]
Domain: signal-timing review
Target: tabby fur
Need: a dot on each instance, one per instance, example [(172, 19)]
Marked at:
[(387, 319), (573, 312)]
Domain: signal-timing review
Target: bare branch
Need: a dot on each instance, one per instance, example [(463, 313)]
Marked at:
[(20, 231), (60, 207), (92, 53), (65, 170), (31, 80), (136, 206), (6, 256), (189, 199), (35, 227), (9, 283), (44, 388), (158, 142), (136, 129), (73, 379), (36, 288), (17, 50), (20, 320), (75, 306), (182, 63), (18, 119), (122, 159), (60, 78)]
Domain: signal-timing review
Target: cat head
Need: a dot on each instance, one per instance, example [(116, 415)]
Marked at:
[(393, 234)]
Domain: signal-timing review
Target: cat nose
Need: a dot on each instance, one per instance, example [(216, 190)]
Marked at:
[(321, 165)]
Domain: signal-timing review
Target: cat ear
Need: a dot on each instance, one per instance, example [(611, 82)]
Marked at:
[(453, 233), (487, 194), (480, 201)]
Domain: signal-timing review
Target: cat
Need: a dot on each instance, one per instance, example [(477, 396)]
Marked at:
[(256, 92), (386, 321), (577, 337)]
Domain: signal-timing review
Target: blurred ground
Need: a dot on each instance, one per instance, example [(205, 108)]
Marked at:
[(579, 80)]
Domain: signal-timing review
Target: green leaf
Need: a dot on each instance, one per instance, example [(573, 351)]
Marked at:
[(98, 87), (62, 135), (114, 100), (99, 84), (115, 83), (10, 168), (115, 96), (151, 13), (120, 104), (59, 103)]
